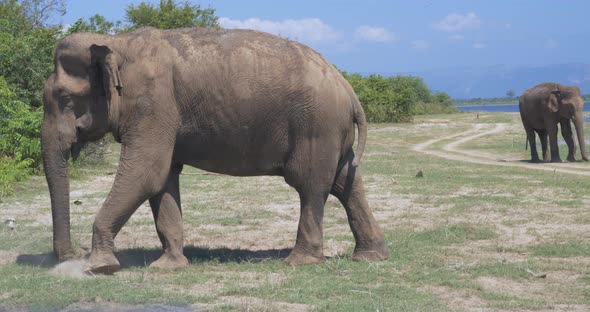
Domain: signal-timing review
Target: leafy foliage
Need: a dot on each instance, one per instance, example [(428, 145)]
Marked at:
[(169, 15), (440, 103), (20, 149), (397, 99), (39, 12), (96, 24), (26, 51), (486, 101)]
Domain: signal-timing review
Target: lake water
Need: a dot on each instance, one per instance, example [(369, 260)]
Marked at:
[(505, 108)]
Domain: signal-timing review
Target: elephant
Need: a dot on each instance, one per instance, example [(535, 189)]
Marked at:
[(235, 102), (542, 108)]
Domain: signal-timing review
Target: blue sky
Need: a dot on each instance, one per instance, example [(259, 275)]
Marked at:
[(406, 36)]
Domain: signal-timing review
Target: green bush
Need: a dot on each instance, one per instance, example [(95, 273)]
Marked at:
[(20, 132), (12, 169), (440, 103), (397, 99)]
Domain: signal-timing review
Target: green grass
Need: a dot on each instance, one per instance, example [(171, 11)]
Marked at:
[(450, 232), (35, 288), (574, 248), (506, 301), (512, 270)]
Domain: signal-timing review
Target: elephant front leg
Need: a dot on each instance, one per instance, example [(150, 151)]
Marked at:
[(567, 134), (142, 174), (168, 217), (530, 134)]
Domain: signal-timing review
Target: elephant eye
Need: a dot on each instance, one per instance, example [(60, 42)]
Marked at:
[(64, 98)]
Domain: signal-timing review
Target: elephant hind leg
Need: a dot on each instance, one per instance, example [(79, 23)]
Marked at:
[(168, 218), (530, 134), (311, 172), (348, 188)]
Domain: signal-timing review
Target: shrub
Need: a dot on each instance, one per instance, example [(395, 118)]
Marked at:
[(397, 99), (12, 169), (20, 132)]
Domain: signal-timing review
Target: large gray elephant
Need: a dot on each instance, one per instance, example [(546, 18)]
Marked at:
[(235, 102), (542, 108)]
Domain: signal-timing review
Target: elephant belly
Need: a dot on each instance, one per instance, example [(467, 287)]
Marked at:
[(237, 157)]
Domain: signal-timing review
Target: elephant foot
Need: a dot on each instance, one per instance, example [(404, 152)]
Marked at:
[(555, 160), (571, 159), (300, 258), (103, 263), (169, 262), (585, 158), (378, 252), (536, 161)]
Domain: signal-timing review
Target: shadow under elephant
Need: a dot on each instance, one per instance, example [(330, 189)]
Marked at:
[(141, 257)]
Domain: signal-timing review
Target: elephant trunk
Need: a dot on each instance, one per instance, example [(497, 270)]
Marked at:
[(55, 165), (579, 124)]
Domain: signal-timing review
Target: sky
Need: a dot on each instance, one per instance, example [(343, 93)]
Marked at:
[(395, 36)]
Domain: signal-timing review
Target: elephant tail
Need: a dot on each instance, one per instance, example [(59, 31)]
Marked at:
[(361, 123)]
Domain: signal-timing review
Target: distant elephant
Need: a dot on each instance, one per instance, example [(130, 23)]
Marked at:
[(542, 108), (237, 102)]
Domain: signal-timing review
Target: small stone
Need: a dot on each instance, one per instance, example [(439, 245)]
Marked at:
[(420, 174), (11, 223), (77, 202)]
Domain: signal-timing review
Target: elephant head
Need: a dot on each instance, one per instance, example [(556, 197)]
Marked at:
[(80, 99), (567, 103)]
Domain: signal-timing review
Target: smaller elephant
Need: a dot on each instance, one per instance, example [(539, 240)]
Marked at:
[(542, 108)]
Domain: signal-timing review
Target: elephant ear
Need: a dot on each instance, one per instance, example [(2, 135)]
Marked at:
[(106, 71), (555, 100)]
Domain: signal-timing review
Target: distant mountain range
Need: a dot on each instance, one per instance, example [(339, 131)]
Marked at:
[(495, 81)]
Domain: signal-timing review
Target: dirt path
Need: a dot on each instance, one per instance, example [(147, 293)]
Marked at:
[(452, 151)]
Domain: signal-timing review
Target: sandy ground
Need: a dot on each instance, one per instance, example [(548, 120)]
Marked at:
[(452, 151)]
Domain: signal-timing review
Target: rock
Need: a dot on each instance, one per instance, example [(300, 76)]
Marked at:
[(420, 174)]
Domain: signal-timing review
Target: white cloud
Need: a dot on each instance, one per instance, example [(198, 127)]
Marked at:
[(420, 45), (65, 28), (374, 34), (458, 22), (479, 45), (308, 29), (456, 37), (550, 43)]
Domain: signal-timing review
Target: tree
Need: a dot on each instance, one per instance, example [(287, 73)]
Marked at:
[(510, 93), (397, 99), (443, 99), (39, 12), (26, 49), (97, 24), (170, 15)]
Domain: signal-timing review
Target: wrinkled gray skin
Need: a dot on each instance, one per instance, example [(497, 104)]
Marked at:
[(542, 108), (236, 102)]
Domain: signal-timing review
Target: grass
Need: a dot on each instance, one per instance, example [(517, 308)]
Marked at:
[(572, 248), (465, 236)]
